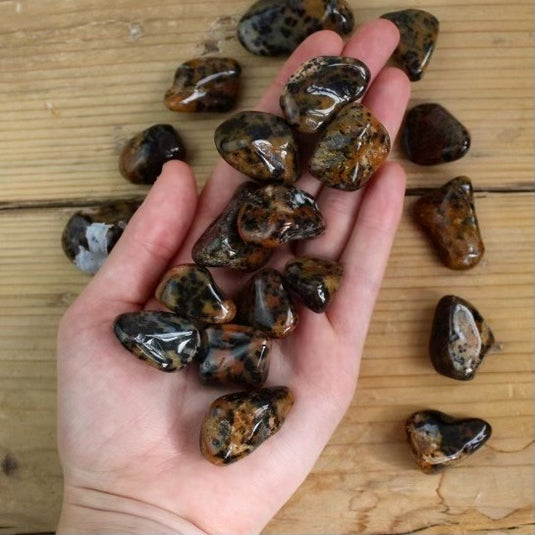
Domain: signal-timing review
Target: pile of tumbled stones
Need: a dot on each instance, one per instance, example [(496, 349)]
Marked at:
[(231, 342)]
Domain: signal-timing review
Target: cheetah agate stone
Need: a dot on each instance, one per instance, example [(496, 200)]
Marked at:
[(259, 145), (190, 290), (274, 215), (205, 84), (315, 93), (448, 216), (314, 280), (418, 36), (234, 354), (144, 155), (275, 27), (161, 339), (438, 440), (352, 147), (221, 246), (236, 424), (460, 338)]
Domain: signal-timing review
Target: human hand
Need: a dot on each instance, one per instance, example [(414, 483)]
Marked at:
[(129, 434)]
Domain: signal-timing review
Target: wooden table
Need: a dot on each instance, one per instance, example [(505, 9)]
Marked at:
[(78, 78)]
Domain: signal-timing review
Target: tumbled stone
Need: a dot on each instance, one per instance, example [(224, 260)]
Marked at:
[(315, 93), (448, 216), (259, 145), (221, 246), (275, 27), (314, 280), (209, 84), (438, 440), (236, 424), (144, 155), (432, 135), (274, 215), (418, 36), (460, 338), (234, 354), (161, 339), (267, 305), (90, 234), (190, 290), (351, 149)]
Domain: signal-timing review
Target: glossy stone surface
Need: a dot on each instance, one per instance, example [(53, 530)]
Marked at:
[(438, 440), (236, 424), (432, 135), (209, 84), (267, 305), (190, 290), (221, 246), (314, 280), (275, 214), (143, 156), (418, 36), (352, 147), (315, 93), (234, 354), (90, 235), (460, 338), (162, 339), (448, 216), (259, 145), (275, 27)]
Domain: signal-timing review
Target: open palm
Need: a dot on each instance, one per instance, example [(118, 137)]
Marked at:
[(129, 434)]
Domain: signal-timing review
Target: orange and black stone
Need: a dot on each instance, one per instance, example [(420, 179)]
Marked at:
[(236, 424)]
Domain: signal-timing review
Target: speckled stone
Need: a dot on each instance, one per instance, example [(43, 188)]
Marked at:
[(438, 440), (221, 246), (448, 216), (161, 339), (275, 214), (314, 280), (190, 290), (259, 145), (432, 135), (90, 234), (236, 424), (266, 304), (209, 84), (275, 27), (351, 149), (234, 354), (418, 36), (144, 155), (315, 93), (460, 338)]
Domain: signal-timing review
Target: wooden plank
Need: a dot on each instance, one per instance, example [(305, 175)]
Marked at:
[(78, 79), (365, 481)]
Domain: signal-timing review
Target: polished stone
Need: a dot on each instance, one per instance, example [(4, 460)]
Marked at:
[(221, 246), (236, 424), (190, 290), (275, 215), (314, 280), (418, 36), (259, 145), (352, 147), (438, 440), (432, 135), (448, 216), (275, 27), (161, 339), (209, 84), (144, 155), (320, 87)]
